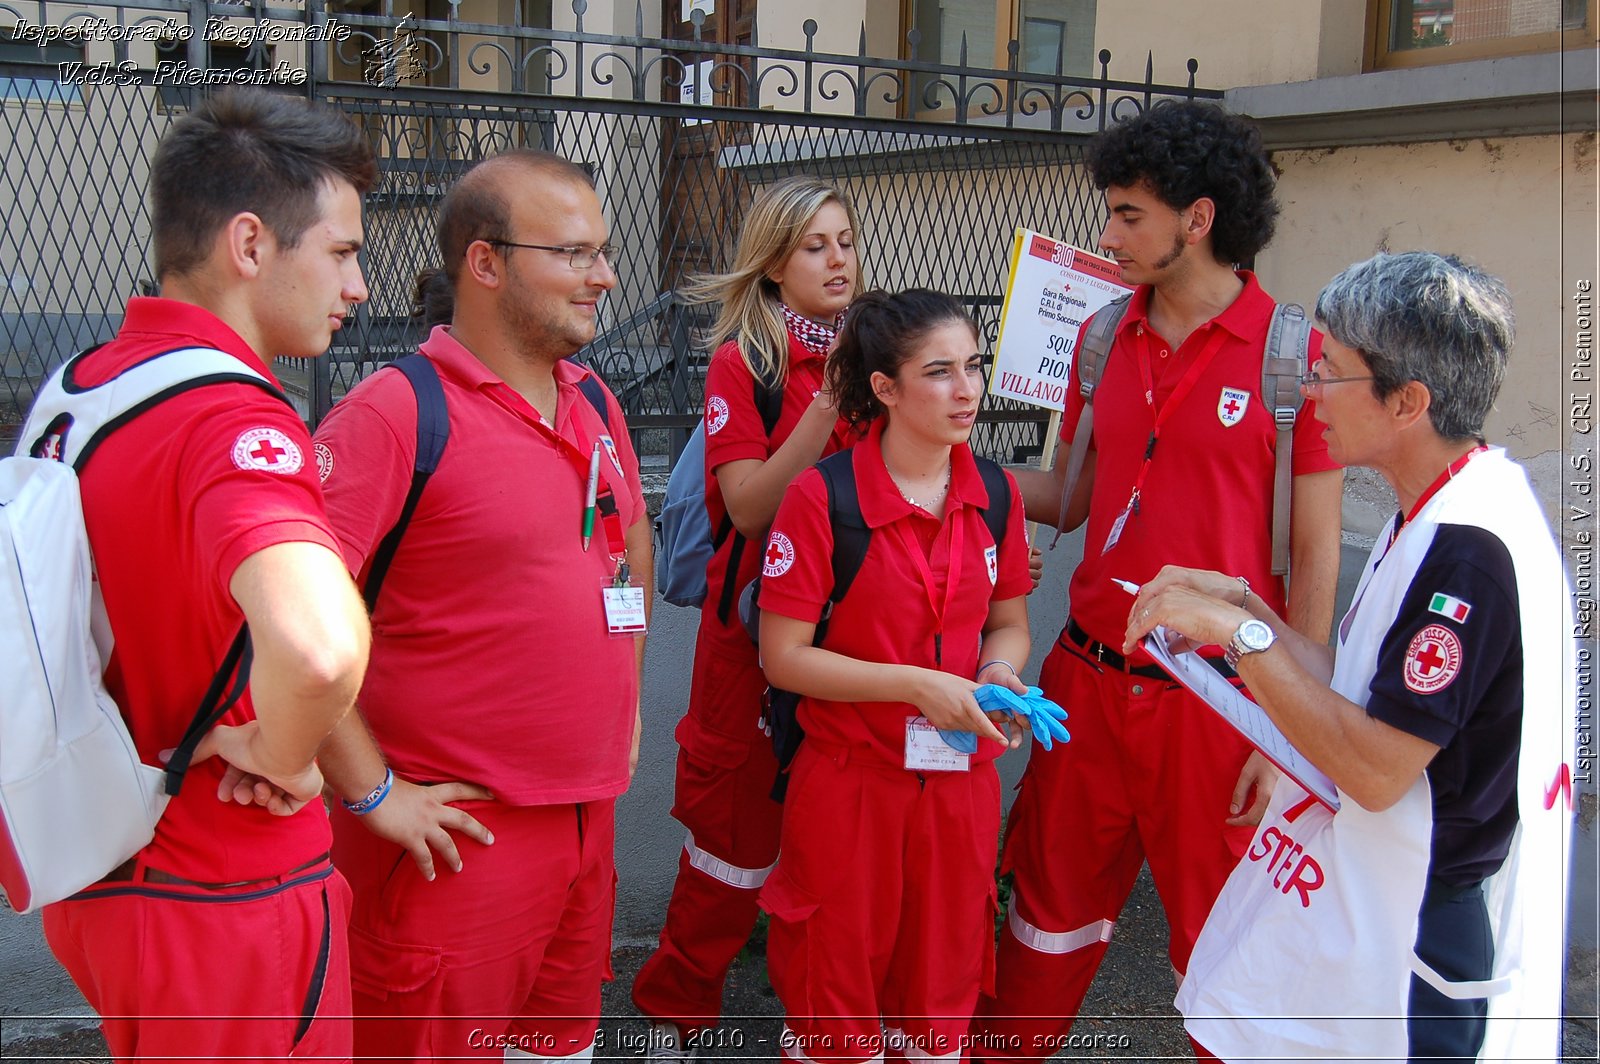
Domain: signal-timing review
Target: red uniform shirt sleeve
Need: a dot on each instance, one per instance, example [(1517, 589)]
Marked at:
[(797, 566), (243, 506), (1014, 579), (733, 424), (369, 451), (1310, 449)]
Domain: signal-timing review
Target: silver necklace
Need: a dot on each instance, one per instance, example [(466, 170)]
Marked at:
[(948, 469)]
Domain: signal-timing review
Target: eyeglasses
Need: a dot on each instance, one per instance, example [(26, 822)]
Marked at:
[(581, 256), (1314, 381)]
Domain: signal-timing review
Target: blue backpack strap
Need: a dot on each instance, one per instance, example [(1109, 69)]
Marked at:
[(433, 432), (596, 394)]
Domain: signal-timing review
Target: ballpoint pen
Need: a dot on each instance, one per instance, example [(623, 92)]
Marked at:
[(591, 495), (1127, 585)]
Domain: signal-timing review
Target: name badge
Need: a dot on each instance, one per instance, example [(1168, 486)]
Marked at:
[(1116, 529), (624, 610), (926, 750)]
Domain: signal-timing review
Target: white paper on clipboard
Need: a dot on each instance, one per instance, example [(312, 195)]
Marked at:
[(1249, 719)]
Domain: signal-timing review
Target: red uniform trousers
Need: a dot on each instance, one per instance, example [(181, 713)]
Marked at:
[(254, 972), (509, 952), (1149, 775), (882, 906), (726, 769)]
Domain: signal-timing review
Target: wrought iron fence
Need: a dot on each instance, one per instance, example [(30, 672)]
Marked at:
[(943, 162)]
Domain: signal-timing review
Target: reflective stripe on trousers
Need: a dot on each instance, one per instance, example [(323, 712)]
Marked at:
[(722, 871), (1056, 942)]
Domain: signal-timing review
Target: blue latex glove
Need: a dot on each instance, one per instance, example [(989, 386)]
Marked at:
[(1044, 716)]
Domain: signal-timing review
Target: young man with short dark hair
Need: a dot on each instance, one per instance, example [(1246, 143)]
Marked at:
[(225, 937)]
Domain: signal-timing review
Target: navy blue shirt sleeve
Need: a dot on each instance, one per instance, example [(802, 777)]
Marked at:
[(1457, 631)]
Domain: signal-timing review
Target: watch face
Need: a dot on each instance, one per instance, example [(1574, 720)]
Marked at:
[(1255, 635)]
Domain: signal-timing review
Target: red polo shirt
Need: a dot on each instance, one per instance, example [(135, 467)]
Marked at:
[(1206, 501), (733, 432), (889, 613), (490, 657), (174, 501)]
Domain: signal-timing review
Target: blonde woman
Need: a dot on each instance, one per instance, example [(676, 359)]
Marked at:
[(767, 419)]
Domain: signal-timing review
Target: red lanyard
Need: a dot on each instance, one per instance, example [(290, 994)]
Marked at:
[(610, 519), (913, 548), (1179, 394), (1440, 481)]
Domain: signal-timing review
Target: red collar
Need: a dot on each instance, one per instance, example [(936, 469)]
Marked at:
[(1450, 471), (881, 501), (1444, 478)]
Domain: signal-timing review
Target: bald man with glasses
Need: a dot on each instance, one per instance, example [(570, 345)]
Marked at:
[(501, 706)]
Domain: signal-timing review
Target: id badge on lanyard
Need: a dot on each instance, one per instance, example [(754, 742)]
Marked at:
[(624, 603), (1160, 418)]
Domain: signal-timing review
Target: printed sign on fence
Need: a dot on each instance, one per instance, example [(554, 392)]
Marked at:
[(1054, 287)]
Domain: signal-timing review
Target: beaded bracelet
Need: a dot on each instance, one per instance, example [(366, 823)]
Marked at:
[(994, 661), (374, 797)]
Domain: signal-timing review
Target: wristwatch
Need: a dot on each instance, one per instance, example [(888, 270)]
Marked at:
[(1252, 637)]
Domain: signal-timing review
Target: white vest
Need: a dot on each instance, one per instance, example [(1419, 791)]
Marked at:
[(1307, 952)]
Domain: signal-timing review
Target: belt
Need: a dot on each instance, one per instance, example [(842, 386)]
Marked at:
[(1074, 638), (127, 871)]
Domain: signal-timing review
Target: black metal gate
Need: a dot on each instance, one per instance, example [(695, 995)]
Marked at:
[(942, 162)]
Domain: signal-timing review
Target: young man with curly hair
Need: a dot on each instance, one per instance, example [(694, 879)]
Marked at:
[(1179, 471)]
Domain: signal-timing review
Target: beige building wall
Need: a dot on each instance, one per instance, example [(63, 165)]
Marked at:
[(1523, 208)]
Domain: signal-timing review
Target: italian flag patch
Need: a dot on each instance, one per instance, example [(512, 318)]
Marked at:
[(1451, 607)]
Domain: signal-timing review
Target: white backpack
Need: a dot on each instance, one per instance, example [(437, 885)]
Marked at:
[(75, 800)]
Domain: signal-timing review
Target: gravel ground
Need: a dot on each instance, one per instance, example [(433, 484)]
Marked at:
[(1128, 1011)]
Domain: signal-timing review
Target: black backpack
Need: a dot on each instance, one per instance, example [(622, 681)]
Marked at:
[(851, 537)]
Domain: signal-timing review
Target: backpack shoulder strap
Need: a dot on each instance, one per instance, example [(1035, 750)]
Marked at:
[(1099, 333), (998, 513), (769, 403), (596, 394), (69, 420), (433, 432), (851, 535), (1283, 363)]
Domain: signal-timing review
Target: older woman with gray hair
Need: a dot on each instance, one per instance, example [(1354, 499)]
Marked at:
[(1422, 918)]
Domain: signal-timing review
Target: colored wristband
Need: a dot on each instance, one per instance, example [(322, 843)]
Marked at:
[(374, 797), (994, 661)]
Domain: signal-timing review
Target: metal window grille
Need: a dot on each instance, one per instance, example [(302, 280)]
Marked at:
[(942, 162)]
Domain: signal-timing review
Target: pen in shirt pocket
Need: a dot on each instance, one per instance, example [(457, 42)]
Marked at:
[(591, 495)]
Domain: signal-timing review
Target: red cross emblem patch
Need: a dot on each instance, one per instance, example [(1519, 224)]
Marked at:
[(1433, 659), (716, 414), (991, 561), (267, 450), (779, 556), (324, 456), (1231, 406)]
